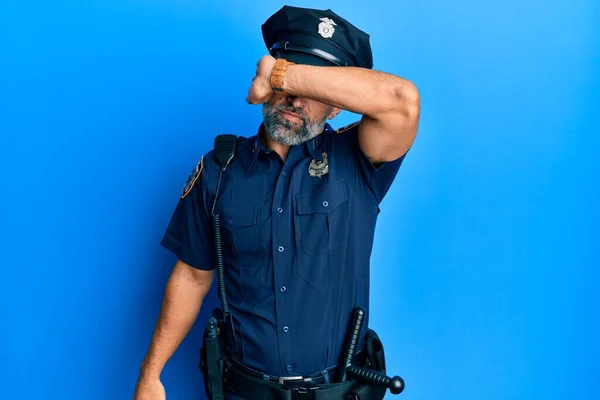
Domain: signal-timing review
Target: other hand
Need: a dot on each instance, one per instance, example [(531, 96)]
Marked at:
[(260, 91), (149, 389)]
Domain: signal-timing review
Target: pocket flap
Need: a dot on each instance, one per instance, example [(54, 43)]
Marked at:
[(239, 217), (323, 200)]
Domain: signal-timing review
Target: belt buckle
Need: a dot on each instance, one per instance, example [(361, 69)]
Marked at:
[(284, 379), (304, 393)]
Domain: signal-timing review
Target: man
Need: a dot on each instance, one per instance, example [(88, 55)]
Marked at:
[(297, 204)]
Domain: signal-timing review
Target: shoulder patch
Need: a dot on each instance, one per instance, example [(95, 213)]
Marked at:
[(191, 180), (347, 127)]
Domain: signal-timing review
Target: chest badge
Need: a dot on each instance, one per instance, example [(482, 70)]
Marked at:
[(319, 168)]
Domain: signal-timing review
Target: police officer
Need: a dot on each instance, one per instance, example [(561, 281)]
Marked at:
[(297, 204)]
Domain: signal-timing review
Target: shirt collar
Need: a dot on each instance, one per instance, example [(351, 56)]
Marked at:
[(257, 145), (315, 146), (312, 147)]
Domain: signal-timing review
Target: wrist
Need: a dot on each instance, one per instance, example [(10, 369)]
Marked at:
[(149, 370), (278, 74)]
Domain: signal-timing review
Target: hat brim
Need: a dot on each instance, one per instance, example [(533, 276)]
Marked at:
[(304, 58)]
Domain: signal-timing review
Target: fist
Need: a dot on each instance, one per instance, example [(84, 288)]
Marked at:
[(260, 91)]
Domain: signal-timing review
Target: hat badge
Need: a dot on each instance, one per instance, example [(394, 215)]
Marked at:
[(326, 27)]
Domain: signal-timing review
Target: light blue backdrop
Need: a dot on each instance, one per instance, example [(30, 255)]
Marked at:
[(485, 282)]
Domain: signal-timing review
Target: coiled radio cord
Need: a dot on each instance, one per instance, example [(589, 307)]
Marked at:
[(218, 242)]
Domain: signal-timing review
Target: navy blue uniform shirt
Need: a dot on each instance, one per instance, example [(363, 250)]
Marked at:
[(296, 247)]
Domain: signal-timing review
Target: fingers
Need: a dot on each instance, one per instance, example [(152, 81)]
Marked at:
[(265, 66), (260, 90), (251, 96)]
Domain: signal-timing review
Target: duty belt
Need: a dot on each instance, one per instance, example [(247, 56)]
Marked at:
[(253, 385), (320, 377)]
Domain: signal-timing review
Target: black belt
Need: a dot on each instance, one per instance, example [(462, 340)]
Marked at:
[(253, 385), (314, 379)]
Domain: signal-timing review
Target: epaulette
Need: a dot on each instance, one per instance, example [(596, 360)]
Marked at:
[(347, 127)]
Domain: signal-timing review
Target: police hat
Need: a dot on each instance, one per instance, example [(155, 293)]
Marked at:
[(316, 37)]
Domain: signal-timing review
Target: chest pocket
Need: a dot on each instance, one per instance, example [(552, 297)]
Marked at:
[(242, 236), (323, 218)]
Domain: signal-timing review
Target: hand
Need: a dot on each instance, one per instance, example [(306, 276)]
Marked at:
[(149, 389), (260, 91)]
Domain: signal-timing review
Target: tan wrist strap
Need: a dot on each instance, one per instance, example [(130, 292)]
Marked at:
[(278, 74)]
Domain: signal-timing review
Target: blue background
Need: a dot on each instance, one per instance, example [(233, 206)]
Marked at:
[(485, 282)]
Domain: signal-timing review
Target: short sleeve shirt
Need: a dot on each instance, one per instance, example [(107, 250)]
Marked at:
[(296, 238)]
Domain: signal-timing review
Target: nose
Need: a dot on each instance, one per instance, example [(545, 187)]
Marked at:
[(295, 101)]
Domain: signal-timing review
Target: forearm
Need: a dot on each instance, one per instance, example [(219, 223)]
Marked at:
[(362, 91), (181, 304)]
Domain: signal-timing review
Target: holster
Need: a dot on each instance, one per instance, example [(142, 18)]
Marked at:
[(372, 357), (212, 357)]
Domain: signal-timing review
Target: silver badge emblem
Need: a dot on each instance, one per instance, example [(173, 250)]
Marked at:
[(326, 27), (319, 168)]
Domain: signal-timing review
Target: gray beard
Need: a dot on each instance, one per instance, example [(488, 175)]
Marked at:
[(287, 132)]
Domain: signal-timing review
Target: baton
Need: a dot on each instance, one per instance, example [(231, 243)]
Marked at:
[(352, 337), (369, 376)]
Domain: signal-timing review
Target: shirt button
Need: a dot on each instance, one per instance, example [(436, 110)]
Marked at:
[(325, 204), (280, 210), (280, 249), (283, 289), (289, 367), (284, 173), (286, 329), (229, 221)]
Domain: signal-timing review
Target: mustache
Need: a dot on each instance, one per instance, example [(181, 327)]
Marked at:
[(292, 109)]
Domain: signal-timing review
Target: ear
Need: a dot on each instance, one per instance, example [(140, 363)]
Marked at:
[(334, 112)]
